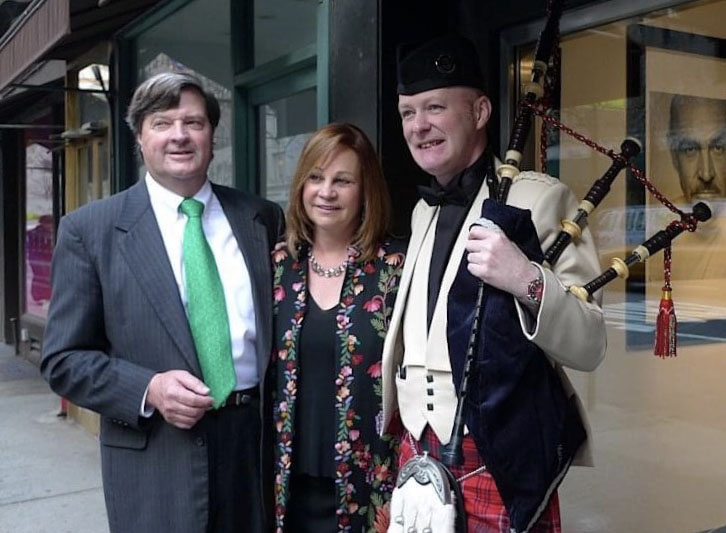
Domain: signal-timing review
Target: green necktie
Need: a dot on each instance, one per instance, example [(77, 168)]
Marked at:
[(206, 308)]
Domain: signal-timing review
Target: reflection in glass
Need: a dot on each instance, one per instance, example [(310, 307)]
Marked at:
[(39, 231), (295, 19), (204, 51), (89, 140), (93, 105), (283, 128), (653, 422)]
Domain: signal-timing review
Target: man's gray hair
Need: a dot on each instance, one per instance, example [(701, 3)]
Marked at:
[(162, 92)]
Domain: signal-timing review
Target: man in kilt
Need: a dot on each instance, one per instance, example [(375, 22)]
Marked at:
[(531, 318)]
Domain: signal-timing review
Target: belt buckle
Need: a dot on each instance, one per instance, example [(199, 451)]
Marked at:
[(238, 398), (241, 399)]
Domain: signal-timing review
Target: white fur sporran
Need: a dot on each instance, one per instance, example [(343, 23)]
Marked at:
[(426, 499)]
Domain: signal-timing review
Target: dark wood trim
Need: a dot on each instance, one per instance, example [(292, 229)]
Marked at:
[(9, 227), (124, 144)]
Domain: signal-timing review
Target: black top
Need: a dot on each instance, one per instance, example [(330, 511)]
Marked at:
[(315, 420), (364, 458), (451, 217)]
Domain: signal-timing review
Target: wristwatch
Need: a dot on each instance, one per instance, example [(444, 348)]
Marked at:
[(534, 290)]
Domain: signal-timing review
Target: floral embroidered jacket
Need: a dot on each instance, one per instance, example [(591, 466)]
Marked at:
[(365, 464)]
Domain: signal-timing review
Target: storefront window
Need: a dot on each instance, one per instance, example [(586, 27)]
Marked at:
[(196, 39), (660, 78), (260, 59), (90, 140), (39, 224), (285, 126), (295, 19), (281, 99)]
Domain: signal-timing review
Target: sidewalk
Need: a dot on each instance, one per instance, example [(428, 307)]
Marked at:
[(50, 471)]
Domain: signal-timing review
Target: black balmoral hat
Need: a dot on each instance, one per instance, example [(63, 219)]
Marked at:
[(446, 61)]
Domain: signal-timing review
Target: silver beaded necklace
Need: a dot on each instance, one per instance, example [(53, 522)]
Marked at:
[(329, 272)]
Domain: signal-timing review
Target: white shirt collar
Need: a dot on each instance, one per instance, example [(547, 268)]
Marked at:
[(169, 201)]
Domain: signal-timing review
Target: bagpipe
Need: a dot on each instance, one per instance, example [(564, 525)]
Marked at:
[(620, 268), (526, 428)]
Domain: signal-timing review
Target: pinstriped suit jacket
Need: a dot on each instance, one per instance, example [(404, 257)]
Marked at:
[(115, 319)]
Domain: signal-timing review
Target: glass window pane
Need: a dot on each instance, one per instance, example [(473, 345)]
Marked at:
[(104, 163), (661, 78), (87, 162), (94, 115), (283, 128), (295, 19), (205, 51), (39, 226), (93, 106)]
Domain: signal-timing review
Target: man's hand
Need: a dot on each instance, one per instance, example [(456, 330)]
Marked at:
[(499, 262), (181, 398)]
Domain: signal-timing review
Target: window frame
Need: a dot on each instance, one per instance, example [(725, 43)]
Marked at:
[(302, 69)]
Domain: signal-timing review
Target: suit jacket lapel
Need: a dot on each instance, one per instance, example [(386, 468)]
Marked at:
[(437, 333), (418, 234), (143, 248), (251, 235), (393, 343)]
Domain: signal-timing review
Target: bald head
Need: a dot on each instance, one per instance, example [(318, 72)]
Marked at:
[(697, 142)]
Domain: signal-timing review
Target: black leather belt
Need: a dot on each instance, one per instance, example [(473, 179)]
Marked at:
[(241, 397)]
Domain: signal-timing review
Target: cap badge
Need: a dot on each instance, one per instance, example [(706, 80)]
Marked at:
[(445, 64)]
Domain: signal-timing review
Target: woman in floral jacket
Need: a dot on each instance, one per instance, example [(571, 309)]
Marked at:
[(335, 281)]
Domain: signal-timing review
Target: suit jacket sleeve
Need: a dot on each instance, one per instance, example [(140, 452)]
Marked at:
[(76, 361), (571, 332)]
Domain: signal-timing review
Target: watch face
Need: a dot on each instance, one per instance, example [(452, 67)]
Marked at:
[(534, 290)]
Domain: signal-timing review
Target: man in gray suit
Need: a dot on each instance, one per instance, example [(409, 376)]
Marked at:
[(180, 452)]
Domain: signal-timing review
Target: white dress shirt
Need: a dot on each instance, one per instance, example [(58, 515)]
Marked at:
[(230, 264)]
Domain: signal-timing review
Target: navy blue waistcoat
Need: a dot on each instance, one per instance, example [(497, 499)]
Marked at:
[(525, 427)]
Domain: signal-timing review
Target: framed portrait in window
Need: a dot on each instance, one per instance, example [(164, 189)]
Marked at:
[(676, 84)]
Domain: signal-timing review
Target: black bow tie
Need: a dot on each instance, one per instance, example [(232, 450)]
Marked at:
[(437, 195)]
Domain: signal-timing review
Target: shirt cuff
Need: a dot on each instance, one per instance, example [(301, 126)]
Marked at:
[(145, 411)]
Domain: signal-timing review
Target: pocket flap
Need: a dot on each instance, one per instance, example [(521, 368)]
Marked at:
[(115, 434)]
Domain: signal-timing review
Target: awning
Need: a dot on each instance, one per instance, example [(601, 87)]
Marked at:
[(38, 29)]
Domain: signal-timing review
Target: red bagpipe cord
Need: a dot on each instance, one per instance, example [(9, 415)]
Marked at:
[(666, 324)]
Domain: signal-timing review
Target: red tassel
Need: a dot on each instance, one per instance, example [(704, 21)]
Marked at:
[(665, 327), (665, 324)]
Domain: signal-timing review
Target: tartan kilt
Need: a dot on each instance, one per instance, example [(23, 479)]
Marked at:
[(485, 511)]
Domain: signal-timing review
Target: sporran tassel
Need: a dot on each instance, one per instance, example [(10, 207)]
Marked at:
[(666, 324)]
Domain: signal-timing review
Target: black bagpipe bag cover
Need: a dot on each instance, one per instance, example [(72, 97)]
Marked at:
[(525, 427)]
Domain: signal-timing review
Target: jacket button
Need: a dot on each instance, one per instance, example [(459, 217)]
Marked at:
[(430, 406), (430, 392), (199, 441), (430, 378)]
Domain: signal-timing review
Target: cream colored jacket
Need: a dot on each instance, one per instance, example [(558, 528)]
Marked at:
[(571, 333)]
